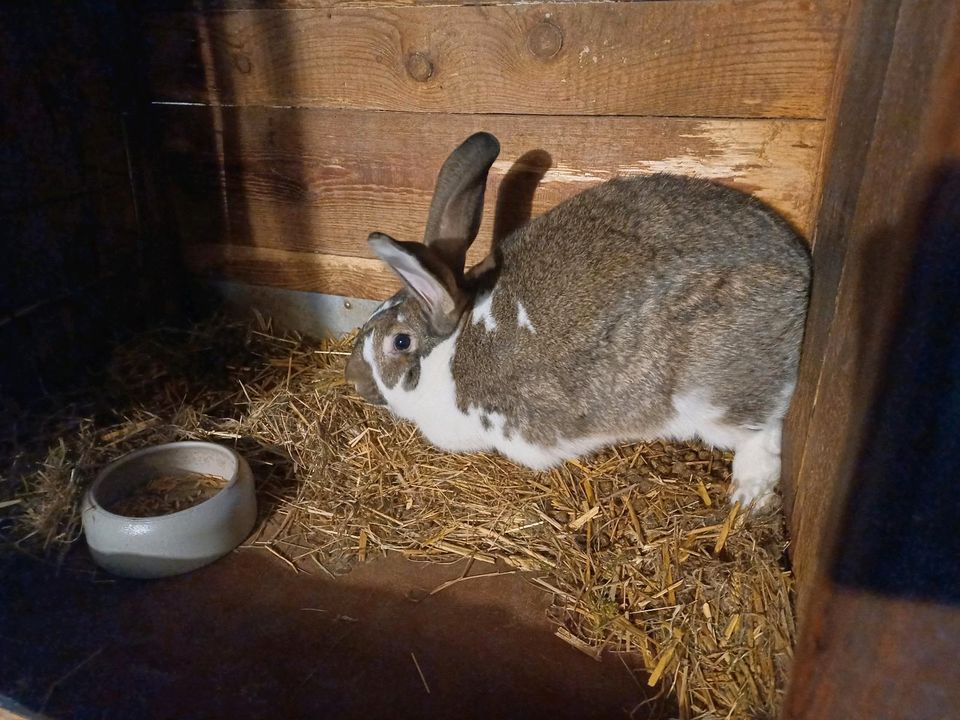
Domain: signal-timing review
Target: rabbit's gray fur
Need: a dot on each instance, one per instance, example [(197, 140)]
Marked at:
[(645, 307)]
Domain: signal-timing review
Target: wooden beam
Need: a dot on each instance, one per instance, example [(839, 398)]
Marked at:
[(332, 274), (181, 5), (848, 138), (879, 636), (874, 525), (725, 58), (877, 658), (859, 260), (319, 181)]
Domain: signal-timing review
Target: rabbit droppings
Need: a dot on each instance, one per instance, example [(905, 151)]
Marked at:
[(656, 307)]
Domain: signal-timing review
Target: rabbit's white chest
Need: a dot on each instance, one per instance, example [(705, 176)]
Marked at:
[(432, 404), (432, 407)]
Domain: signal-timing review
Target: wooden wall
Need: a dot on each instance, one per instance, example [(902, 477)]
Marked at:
[(291, 129), (70, 233), (893, 123), (874, 429)]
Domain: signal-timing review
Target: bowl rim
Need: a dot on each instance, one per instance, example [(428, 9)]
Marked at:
[(94, 505)]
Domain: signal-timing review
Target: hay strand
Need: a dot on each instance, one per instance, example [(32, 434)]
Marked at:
[(423, 679)]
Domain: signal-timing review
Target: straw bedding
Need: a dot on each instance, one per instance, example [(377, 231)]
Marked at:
[(637, 545)]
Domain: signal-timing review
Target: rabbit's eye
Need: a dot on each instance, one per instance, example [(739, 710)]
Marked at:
[(401, 342)]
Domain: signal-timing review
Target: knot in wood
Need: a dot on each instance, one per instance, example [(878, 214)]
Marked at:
[(419, 66), (545, 40), (242, 63)]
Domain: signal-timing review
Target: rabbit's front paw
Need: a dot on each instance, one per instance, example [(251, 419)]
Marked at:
[(756, 469)]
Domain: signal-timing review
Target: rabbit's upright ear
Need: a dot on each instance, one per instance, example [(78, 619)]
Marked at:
[(428, 277), (457, 205)]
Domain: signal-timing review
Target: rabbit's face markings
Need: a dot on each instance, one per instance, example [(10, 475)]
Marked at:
[(432, 405), (398, 338)]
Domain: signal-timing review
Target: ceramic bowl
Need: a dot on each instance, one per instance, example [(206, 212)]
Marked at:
[(164, 545)]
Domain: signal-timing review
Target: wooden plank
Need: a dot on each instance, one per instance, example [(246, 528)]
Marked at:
[(829, 150), (863, 231), (862, 67), (868, 657), (174, 5), (874, 526), (333, 274), (321, 181), (880, 635), (723, 58)]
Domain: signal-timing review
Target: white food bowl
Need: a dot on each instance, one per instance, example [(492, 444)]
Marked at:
[(164, 545)]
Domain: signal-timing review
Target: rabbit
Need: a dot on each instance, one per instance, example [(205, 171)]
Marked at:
[(644, 308)]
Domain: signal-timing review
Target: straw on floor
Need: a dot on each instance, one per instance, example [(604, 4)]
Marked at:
[(637, 545)]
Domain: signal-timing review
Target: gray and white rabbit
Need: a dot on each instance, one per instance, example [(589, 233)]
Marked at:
[(656, 307)]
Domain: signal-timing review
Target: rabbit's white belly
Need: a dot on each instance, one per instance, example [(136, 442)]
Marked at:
[(471, 434), (523, 452)]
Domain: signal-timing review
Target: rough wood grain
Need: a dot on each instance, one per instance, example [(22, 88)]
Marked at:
[(883, 620), (863, 249), (333, 274), (175, 5), (751, 58), (861, 68), (862, 656), (321, 181), (867, 657)]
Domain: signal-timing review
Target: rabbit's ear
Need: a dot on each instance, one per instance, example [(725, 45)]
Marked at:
[(457, 205), (427, 276)]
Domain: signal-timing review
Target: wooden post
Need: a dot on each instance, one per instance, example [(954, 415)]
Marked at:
[(875, 515), (895, 114)]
